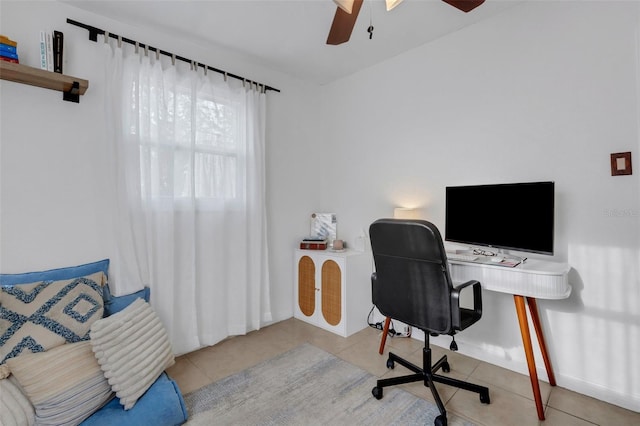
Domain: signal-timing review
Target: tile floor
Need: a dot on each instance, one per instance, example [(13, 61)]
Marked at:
[(511, 398)]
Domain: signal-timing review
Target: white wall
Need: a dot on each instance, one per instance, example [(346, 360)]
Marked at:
[(542, 92), (54, 208)]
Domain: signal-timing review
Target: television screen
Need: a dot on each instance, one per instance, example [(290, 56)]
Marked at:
[(516, 216)]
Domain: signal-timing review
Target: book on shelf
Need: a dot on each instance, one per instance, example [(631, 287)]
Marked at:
[(13, 61), (43, 50), (47, 55), (6, 40), (58, 45), (9, 55), (49, 51), (7, 48)]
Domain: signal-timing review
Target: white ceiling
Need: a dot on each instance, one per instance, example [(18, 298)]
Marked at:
[(290, 35)]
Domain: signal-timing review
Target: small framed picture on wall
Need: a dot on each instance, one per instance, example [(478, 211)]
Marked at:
[(621, 164)]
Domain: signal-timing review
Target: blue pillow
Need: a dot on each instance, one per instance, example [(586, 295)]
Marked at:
[(56, 274), (162, 404), (113, 304)]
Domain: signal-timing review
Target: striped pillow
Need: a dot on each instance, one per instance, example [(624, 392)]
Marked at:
[(15, 408), (65, 384), (133, 349)]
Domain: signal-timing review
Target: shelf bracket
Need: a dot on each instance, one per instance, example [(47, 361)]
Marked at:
[(73, 94)]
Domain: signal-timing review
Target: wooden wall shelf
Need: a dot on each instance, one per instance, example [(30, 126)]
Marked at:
[(71, 87)]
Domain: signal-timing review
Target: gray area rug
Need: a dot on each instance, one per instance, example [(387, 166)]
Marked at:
[(306, 386)]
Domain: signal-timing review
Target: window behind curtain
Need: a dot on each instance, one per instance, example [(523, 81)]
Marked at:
[(190, 148)]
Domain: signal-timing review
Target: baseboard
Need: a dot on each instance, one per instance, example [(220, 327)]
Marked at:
[(594, 390), (599, 392), (277, 316)]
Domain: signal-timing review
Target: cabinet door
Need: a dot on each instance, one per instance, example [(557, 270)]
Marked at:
[(306, 286), (331, 292)]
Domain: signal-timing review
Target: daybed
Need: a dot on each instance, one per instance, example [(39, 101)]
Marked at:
[(77, 293)]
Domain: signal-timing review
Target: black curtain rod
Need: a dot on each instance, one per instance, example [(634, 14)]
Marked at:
[(93, 36)]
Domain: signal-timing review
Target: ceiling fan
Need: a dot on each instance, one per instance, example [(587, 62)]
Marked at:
[(347, 13)]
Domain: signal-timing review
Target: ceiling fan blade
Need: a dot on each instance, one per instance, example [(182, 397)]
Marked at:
[(464, 5), (343, 24)]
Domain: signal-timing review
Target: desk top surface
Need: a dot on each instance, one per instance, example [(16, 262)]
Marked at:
[(533, 278), (531, 266)]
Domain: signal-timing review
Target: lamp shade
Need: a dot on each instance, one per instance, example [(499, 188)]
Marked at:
[(405, 213)]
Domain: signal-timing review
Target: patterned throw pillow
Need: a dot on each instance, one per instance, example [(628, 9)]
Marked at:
[(64, 384), (42, 315), (133, 349)]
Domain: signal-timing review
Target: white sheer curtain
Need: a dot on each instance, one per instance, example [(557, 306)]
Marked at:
[(188, 156)]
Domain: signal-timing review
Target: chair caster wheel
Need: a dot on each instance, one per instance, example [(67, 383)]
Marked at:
[(377, 392), (446, 367), (484, 398), (441, 420), (391, 364)]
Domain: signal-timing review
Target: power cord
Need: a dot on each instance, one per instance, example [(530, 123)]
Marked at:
[(380, 326)]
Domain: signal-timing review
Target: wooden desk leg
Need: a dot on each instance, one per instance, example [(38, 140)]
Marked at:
[(528, 350), (383, 341), (533, 310)]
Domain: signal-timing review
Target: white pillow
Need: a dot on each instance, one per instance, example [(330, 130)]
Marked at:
[(65, 384), (133, 349), (15, 408)]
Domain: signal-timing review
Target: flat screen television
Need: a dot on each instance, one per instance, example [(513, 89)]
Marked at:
[(515, 216)]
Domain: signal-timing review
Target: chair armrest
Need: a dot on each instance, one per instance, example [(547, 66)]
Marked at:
[(374, 280), (455, 302)]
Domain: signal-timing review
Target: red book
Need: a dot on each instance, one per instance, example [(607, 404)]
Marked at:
[(12, 60), (311, 245)]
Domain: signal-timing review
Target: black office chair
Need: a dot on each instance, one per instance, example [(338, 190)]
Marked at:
[(412, 284)]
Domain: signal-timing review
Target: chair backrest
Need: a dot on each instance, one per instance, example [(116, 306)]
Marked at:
[(412, 282)]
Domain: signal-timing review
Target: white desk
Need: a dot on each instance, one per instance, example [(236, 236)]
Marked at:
[(534, 279)]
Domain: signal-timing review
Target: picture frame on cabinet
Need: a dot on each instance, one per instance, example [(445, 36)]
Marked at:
[(324, 225)]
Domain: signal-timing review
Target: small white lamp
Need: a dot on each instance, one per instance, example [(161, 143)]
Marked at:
[(405, 213)]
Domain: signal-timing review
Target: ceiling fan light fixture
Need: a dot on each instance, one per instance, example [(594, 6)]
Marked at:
[(392, 3), (346, 5)]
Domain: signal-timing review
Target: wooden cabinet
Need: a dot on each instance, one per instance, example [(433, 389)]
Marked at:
[(333, 290)]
